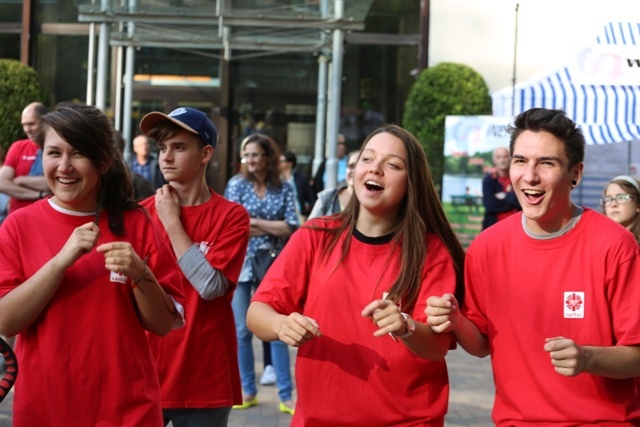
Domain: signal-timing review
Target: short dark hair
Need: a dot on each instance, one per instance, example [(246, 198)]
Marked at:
[(87, 129), (290, 157), (556, 123)]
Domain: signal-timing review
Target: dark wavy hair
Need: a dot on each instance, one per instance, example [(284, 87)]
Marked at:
[(556, 123), (420, 214), (272, 152), (88, 130)]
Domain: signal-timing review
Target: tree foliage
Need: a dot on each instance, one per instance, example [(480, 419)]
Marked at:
[(19, 86), (446, 89)]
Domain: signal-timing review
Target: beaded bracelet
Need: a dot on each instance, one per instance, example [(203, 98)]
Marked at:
[(142, 277)]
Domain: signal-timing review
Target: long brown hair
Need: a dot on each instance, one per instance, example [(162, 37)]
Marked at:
[(272, 152), (420, 213)]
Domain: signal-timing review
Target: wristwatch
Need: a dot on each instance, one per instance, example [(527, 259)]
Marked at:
[(409, 325)]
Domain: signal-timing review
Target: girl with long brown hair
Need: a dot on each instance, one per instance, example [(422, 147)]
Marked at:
[(350, 291)]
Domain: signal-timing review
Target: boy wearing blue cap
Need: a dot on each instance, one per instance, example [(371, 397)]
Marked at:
[(198, 366)]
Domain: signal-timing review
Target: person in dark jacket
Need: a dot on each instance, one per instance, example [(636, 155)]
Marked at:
[(305, 195), (498, 197)]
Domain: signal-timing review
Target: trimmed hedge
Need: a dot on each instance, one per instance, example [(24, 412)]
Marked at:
[(19, 86), (446, 89)]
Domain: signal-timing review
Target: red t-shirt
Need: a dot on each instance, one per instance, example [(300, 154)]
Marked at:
[(347, 376), (198, 363), (20, 157), (582, 286), (85, 360)]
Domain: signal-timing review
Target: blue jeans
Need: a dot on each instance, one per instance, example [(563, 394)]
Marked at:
[(279, 350)]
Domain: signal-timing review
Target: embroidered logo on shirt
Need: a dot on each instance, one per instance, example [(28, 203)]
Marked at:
[(117, 277), (573, 305), (204, 247)]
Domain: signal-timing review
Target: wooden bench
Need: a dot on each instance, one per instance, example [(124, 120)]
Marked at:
[(473, 202)]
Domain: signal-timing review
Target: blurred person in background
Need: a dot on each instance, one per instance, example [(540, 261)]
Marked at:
[(498, 197), (17, 179), (271, 206), (145, 163), (299, 182), (320, 178), (621, 202), (335, 200)]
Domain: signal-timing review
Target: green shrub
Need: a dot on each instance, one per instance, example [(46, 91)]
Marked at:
[(19, 86), (446, 89)]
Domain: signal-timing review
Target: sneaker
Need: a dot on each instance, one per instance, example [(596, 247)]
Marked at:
[(269, 376)]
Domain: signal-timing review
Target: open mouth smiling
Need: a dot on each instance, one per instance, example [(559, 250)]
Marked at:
[(373, 186), (67, 180), (535, 194)]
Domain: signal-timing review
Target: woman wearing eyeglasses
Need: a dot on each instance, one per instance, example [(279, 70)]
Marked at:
[(271, 206), (621, 203)]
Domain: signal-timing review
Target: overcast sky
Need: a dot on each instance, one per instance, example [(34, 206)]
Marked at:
[(480, 33)]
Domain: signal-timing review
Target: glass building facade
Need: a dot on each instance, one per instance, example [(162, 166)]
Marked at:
[(256, 89)]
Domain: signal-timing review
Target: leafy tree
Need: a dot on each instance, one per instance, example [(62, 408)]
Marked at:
[(19, 86), (446, 89)]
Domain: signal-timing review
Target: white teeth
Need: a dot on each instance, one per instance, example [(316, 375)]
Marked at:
[(67, 180), (373, 184), (533, 192)]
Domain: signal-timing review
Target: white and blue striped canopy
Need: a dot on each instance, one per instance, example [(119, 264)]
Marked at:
[(606, 113)]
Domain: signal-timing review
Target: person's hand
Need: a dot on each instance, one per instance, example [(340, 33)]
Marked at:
[(167, 204), (121, 258), (567, 357), (298, 329), (442, 313), (385, 314), (82, 241)]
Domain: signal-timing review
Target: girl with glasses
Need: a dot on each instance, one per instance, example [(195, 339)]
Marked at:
[(271, 206), (621, 203)]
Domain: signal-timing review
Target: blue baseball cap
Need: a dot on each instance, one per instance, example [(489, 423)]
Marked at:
[(190, 119)]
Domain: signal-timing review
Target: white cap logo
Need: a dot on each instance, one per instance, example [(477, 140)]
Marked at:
[(178, 112)]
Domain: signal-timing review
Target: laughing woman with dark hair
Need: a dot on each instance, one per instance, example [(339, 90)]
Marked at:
[(83, 274)]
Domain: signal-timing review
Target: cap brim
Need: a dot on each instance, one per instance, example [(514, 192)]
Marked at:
[(155, 117)]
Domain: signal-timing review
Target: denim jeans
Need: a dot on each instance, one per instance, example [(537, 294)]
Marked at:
[(279, 350)]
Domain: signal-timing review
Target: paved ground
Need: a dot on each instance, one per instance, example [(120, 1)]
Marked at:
[(470, 401)]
